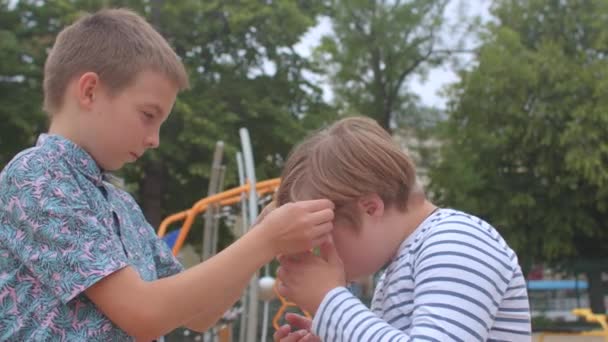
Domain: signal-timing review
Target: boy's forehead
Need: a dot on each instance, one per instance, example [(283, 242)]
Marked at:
[(154, 79), (155, 91)]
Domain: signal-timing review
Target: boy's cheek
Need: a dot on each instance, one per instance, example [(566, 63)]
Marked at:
[(350, 275), (356, 269)]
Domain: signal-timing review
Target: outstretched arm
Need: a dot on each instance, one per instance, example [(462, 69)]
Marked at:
[(150, 309), (200, 322)]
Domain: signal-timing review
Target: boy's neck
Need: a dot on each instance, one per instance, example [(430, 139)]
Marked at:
[(67, 125), (403, 224)]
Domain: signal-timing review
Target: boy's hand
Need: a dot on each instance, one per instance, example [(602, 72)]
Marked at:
[(302, 323), (283, 335), (306, 278), (298, 227), (267, 209)]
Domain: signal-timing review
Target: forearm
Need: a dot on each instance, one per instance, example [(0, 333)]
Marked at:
[(151, 309), (199, 296), (198, 323)]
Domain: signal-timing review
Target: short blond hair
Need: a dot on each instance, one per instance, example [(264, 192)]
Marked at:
[(351, 158), (117, 44)]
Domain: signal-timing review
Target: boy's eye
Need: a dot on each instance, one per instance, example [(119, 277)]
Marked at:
[(148, 115)]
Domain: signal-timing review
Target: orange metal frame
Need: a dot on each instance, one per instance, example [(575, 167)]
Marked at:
[(276, 321), (224, 198)]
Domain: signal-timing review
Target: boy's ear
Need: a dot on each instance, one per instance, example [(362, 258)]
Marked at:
[(371, 205), (87, 89)]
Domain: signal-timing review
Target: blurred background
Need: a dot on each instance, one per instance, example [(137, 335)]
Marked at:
[(502, 104)]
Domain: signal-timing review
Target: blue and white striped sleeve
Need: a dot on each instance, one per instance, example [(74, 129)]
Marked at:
[(342, 317)]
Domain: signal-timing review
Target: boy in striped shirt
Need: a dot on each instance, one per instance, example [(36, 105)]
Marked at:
[(450, 276)]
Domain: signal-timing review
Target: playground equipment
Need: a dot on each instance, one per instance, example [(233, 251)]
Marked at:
[(224, 198), (589, 316), (248, 194), (283, 308), (266, 286)]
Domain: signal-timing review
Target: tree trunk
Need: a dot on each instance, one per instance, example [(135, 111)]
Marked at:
[(596, 292), (150, 187), (150, 191), (386, 114), (155, 8)]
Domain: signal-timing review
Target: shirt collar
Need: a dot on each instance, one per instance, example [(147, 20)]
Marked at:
[(75, 155)]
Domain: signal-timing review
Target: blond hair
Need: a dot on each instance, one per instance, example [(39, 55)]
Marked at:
[(117, 44), (349, 159)]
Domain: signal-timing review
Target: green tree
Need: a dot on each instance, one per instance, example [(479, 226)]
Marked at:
[(244, 72), (375, 46), (526, 142), (23, 40)]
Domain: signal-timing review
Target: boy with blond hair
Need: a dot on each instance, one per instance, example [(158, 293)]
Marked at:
[(78, 261), (450, 276)]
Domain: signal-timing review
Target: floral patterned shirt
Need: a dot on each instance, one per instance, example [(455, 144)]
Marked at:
[(62, 229)]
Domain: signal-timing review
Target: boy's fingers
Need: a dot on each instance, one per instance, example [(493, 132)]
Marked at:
[(298, 321), (294, 336), (295, 258), (320, 230), (282, 332), (321, 240), (329, 253), (316, 205), (267, 209), (310, 338), (321, 216)]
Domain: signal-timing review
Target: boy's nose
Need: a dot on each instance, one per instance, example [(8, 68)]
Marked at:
[(153, 140)]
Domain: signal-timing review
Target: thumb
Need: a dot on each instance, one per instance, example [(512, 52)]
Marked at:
[(267, 210), (329, 252)]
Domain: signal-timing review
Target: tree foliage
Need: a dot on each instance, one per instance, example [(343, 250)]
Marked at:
[(375, 47), (526, 142)]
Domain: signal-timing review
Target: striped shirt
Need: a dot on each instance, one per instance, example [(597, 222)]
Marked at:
[(453, 279)]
